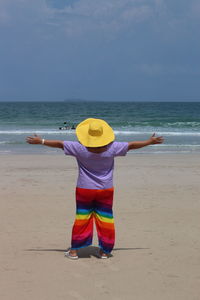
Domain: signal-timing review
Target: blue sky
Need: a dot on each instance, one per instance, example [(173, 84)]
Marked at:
[(140, 50)]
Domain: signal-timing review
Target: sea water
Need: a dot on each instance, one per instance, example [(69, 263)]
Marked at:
[(177, 122)]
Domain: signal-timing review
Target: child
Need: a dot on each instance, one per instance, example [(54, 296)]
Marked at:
[(94, 151)]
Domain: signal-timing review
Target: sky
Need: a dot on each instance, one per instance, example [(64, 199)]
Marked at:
[(111, 50)]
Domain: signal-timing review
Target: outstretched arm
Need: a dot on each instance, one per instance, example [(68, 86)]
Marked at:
[(37, 140), (151, 141)]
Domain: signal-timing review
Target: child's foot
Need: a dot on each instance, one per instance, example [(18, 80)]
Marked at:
[(72, 254), (103, 255)]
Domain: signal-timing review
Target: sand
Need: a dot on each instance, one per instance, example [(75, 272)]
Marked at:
[(157, 213)]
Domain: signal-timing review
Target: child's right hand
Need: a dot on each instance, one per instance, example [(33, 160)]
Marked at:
[(36, 139)]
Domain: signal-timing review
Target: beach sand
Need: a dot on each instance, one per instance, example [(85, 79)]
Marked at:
[(157, 215)]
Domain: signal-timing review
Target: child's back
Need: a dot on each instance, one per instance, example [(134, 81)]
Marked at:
[(95, 169)]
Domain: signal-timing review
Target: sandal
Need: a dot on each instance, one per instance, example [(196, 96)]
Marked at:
[(103, 255), (68, 255)]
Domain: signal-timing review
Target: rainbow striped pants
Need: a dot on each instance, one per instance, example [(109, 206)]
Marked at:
[(94, 205)]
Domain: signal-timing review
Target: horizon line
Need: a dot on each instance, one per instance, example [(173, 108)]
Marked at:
[(107, 101)]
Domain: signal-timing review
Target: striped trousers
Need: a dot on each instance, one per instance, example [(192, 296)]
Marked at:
[(94, 205)]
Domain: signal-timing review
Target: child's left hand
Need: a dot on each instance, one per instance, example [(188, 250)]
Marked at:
[(156, 140)]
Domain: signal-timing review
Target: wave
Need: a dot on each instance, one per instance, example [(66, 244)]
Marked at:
[(11, 142), (162, 152), (34, 131), (5, 151), (117, 132), (4, 142), (183, 124), (166, 133), (175, 145)]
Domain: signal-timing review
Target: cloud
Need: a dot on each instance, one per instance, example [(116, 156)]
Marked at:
[(195, 9), (75, 18), (87, 16), (61, 4), (80, 17), (22, 11), (137, 14)]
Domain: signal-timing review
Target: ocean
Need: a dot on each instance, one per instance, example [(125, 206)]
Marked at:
[(177, 122)]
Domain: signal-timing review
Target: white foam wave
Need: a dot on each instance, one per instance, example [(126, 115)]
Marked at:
[(117, 132), (193, 124), (5, 151), (162, 152), (31, 131), (11, 142), (164, 133), (175, 145)]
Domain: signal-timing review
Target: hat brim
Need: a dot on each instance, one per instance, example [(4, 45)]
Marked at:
[(88, 140)]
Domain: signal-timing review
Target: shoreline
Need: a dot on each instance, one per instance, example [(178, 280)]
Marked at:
[(133, 152)]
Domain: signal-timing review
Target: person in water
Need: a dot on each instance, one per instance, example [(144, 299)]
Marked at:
[(94, 151), (65, 127)]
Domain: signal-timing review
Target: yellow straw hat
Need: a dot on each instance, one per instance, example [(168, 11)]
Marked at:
[(94, 133)]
